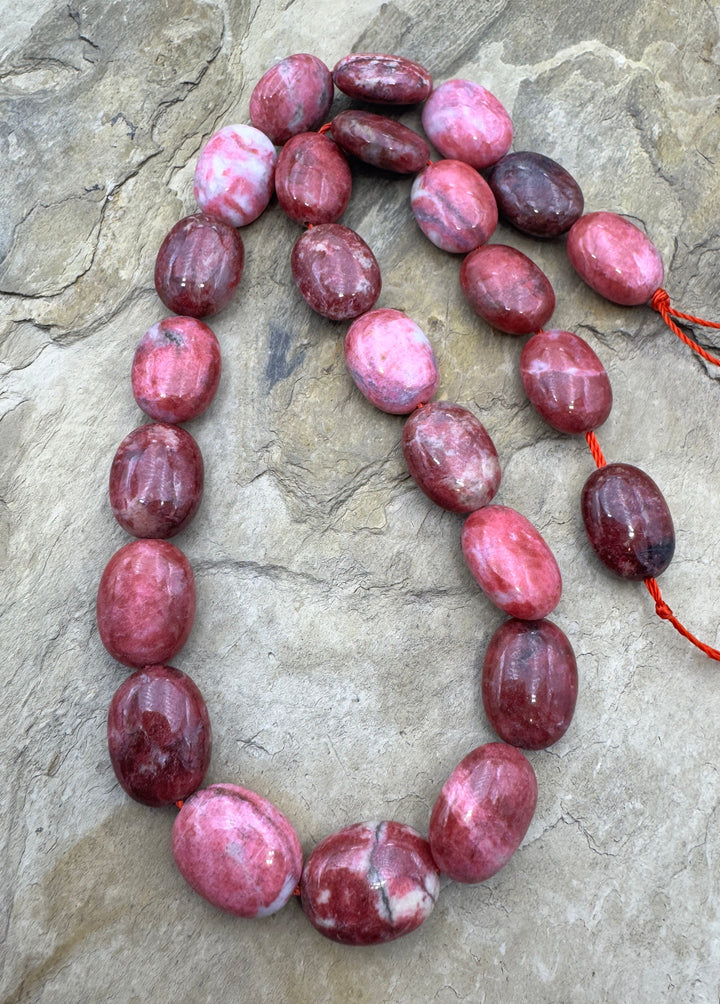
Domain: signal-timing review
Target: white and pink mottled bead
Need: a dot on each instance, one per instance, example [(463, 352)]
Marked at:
[(454, 206), (235, 173), (466, 122)]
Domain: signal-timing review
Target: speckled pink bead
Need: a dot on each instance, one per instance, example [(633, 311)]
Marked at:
[(234, 174), (464, 121), (335, 271), (453, 206), (313, 180), (294, 96), (507, 289), (383, 79), (237, 850), (391, 361)]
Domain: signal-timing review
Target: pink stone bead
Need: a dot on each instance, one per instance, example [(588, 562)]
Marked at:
[(464, 121), (380, 141), (482, 813), (313, 180), (294, 96), (451, 456), (511, 562), (369, 883), (382, 79), (176, 369), (335, 271), (234, 174), (565, 381), (615, 258), (391, 361), (453, 206), (507, 289), (237, 850), (146, 603)]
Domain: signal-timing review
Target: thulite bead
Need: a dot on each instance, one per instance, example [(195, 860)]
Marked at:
[(535, 194), (451, 456), (391, 80), (466, 122), (453, 206), (335, 271), (628, 521), (529, 683), (294, 96), (369, 883), (380, 141), (507, 289), (615, 258), (159, 735), (234, 174), (312, 179), (511, 562), (482, 813), (237, 850)]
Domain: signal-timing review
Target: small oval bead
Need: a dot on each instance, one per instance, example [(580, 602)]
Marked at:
[(335, 271), (312, 180), (627, 521), (451, 456), (507, 289), (382, 79), (454, 206), (234, 174), (511, 562), (159, 735), (464, 121), (615, 258), (391, 361), (565, 381), (237, 850), (294, 96), (380, 141), (529, 683), (535, 194), (482, 813), (369, 883)]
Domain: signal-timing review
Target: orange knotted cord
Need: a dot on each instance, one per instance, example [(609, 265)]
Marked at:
[(661, 302)]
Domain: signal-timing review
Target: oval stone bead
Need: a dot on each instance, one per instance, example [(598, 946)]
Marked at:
[(511, 562), (312, 179), (369, 883), (482, 813), (234, 174), (159, 735), (529, 683), (454, 206), (391, 361), (380, 141), (627, 521), (464, 121), (451, 457), (535, 194), (335, 271), (615, 258), (382, 79), (199, 265), (507, 289), (146, 603), (565, 381), (294, 96), (237, 850)]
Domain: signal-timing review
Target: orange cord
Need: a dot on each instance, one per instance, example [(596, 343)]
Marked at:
[(325, 128), (661, 302), (597, 453)]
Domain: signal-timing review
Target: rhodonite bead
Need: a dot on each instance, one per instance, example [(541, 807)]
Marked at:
[(159, 735), (294, 96), (335, 271), (482, 813), (529, 683), (369, 883), (234, 174), (507, 289), (627, 521), (380, 141), (565, 381), (312, 179), (237, 850), (535, 194), (382, 79), (615, 258), (511, 562), (391, 361), (464, 121), (451, 456), (453, 206)]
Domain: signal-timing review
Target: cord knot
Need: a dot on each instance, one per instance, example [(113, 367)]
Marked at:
[(660, 300)]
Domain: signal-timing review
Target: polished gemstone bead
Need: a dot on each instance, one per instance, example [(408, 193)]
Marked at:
[(529, 683), (176, 369), (294, 96), (380, 141), (507, 289), (199, 265), (237, 850), (464, 121), (382, 79), (615, 258), (156, 480), (565, 381), (628, 521), (482, 813), (369, 883), (146, 603), (453, 206), (391, 361), (234, 174), (335, 271), (451, 456), (535, 194), (159, 735), (312, 179), (511, 562)]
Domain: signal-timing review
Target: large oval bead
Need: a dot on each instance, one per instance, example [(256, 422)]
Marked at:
[(312, 179), (294, 96), (453, 206), (380, 141), (369, 883), (507, 289), (627, 521), (482, 813), (382, 79), (464, 121), (234, 174), (535, 194), (335, 271), (615, 258)]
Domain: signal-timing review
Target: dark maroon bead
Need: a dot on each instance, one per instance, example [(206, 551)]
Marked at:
[(294, 96), (383, 79), (628, 521), (159, 735), (312, 179), (335, 271), (507, 289), (535, 194), (380, 141)]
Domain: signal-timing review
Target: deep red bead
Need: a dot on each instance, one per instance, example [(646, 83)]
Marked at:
[(535, 194), (507, 289), (312, 179), (335, 271), (380, 141), (294, 96), (383, 79)]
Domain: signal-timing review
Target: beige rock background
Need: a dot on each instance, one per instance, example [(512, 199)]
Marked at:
[(339, 636)]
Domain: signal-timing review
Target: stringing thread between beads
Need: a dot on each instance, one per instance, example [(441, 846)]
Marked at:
[(661, 303)]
